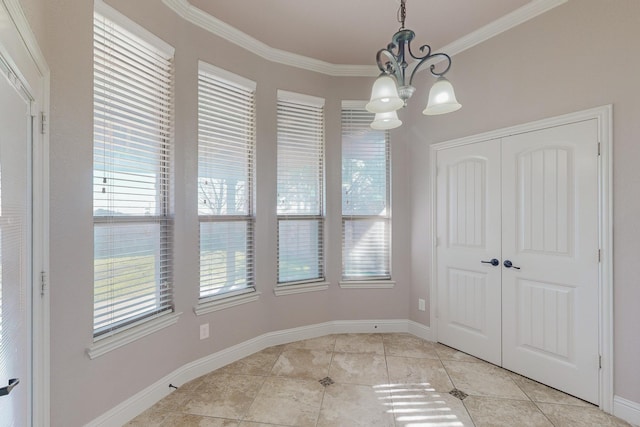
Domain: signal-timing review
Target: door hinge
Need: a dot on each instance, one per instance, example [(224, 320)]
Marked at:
[(599, 255), (599, 361), (599, 148), (43, 123), (43, 283)]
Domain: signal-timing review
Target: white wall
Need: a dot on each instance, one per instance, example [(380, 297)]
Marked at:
[(580, 55)]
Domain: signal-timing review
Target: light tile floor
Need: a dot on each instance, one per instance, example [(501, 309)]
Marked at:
[(394, 380)]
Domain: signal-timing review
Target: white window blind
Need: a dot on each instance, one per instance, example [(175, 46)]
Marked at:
[(366, 221), (226, 140), (300, 185), (132, 119)]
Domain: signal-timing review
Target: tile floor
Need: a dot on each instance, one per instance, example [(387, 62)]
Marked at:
[(394, 380)]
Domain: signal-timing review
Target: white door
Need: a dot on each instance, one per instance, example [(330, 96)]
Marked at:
[(550, 232), (530, 201), (15, 256), (468, 223)]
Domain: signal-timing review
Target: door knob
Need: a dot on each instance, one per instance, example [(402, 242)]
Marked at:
[(493, 262), (6, 390), (509, 264)]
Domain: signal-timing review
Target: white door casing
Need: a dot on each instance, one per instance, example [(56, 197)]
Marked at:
[(599, 322)]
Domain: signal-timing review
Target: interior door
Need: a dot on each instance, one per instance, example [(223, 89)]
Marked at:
[(529, 203), (468, 233), (550, 235), (15, 256)]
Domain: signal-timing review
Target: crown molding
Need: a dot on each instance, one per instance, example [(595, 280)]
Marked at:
[(212, 24), (500, 25)]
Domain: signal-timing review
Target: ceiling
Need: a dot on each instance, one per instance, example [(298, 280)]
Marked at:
[(350, 32)]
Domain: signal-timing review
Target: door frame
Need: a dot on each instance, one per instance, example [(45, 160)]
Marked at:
[(29, 69), (604, 117)]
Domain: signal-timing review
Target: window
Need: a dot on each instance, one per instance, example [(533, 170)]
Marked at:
[(226, 136), (132, 119), (300, 186), (366, 221)]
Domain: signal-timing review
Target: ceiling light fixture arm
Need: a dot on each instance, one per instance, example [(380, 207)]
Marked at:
[(401, 42), (441, 57), (389, 63), (393, 61)]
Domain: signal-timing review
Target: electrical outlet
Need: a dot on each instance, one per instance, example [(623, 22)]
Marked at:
[(421, 304), (204, 331)]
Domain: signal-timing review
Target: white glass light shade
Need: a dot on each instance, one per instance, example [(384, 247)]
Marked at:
[(384, 121), (384, 96), (442, 98)]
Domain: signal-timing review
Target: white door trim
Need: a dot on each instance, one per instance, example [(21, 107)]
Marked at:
[(18, 44), (603, 115)]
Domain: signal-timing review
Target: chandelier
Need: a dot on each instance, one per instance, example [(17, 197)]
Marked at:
[(392, 90)]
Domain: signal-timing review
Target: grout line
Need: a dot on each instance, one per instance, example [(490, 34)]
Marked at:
[(542, 412), (455, 387), (391, 398), (448, 375), (324, 391)]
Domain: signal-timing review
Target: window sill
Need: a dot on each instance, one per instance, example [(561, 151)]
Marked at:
[(300, 288), (367, 284), (119, 339), (223, 302)]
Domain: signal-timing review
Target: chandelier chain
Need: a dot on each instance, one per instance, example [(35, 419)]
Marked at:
[(402, 13)]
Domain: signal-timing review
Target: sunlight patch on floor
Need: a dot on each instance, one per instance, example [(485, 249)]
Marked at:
[(417, 405)]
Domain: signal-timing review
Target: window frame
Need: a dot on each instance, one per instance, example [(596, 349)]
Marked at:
[(374, 281), (230, 298), (287, 101), (121, 333)]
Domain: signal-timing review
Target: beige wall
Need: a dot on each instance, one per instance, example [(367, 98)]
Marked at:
[(580, 55), (83, 389), (577, 56), (34, 10)]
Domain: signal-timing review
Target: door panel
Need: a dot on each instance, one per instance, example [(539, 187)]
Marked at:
[(468, 227), (546, 200), (15, 254), (467, 296), (550, 231), (545, 324)]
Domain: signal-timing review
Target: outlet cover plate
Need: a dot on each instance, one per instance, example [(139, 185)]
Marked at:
[(204, 331)]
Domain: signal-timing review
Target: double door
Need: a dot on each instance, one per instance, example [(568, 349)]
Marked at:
[(517, 254)]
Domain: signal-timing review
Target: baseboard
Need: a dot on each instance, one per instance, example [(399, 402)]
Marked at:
[(420, 330), (627, 410), (138, 403)]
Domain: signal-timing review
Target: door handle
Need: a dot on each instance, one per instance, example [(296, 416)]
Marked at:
[(12, 383), (509, 264), (493, 262)]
